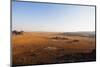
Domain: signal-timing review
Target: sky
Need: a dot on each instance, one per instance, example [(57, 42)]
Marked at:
[(28, 16)]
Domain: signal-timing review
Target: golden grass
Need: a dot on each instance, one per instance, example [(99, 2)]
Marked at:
[(35, 48)]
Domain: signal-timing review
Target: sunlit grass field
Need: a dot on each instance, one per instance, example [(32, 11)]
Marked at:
[(50, 47)]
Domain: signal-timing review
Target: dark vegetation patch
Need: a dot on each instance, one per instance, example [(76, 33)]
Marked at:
[(75, 40), (15, 32), (59, 38)]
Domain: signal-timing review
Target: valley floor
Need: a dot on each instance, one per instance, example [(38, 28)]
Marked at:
[(33, 48)]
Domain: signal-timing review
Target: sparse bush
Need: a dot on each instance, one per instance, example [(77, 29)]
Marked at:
[(59, 38), (17, 32), (75, 41)]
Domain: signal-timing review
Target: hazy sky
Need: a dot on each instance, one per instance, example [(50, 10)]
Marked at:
[(52, 17)]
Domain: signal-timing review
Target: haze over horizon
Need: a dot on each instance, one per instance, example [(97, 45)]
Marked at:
[(28, 16)]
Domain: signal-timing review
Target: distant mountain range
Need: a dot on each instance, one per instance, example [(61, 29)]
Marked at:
[(83, 34)]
